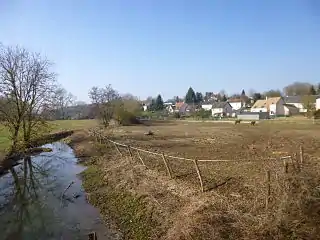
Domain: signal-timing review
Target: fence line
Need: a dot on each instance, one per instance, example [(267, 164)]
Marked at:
[(175, 157), (99, 137)]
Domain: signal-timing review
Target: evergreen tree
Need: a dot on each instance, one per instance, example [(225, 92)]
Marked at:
[(159, 103), (152, 106), (243, 93), (224, 98), (312, 90), (191, 96), (199, 97), (318, 90), (256, 96)]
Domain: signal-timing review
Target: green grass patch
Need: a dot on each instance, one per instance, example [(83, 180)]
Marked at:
[(129, 212), (55, 126)]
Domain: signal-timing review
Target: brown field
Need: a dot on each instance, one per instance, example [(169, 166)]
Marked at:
[(233, 205)]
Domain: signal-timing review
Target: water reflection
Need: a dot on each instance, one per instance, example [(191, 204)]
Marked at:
[(42, 198)]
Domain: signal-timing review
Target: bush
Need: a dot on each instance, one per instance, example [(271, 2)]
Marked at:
[(316, 114), (177, 115), (126, 118)]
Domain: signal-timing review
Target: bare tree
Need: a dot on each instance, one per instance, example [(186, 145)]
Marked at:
[(297, 89), (272, 93), (61, 101), (105, 101), (26, 85)]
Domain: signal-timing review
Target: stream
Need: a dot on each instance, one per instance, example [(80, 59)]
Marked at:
[(42, 198)]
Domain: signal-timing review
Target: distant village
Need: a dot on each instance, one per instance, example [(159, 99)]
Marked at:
[(241, 106)]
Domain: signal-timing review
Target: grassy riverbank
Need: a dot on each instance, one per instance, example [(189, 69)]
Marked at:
[(54, 126), (122, 209)]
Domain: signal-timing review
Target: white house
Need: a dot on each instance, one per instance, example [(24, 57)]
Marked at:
[(296, 101), (236, 103), (318, 103), (221, 109), (274, 105), (207, 105)]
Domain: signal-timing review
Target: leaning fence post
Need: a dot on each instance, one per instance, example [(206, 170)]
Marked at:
[(139, 156), (118, 150), (301, 154), (199, 174), (130, 152), (167, 166), (268, 188)]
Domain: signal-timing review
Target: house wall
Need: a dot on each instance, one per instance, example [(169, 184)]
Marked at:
[(251, 117), (299, 106), (259, 110), (318, 104), (288, 111), (236, 105), (248, 117), (228, 110), (216, 111), (280, 108), (207, 107)]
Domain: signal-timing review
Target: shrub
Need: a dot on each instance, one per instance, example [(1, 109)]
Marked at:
[(126, 118), (177, 115)]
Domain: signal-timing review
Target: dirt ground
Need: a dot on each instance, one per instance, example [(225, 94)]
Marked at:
[(233, 205), (205, 140)]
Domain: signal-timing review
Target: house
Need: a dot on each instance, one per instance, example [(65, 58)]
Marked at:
[(236, 103), (301, 101), (208, 105), (273, 105), (170, 108), (178, 106), (318, 103), (186, 109), (290, 109), (296, 101), (221, 109)]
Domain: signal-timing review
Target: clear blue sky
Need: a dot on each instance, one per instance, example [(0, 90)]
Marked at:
[(147, 47)]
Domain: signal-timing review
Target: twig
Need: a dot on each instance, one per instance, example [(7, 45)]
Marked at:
[(66, 189)]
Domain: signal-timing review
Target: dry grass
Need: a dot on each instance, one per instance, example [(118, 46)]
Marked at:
[(233, 207)]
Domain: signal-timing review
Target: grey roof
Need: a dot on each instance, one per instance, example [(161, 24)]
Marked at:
[(292, 99), (297, 99), (219, 104), (209, 101)]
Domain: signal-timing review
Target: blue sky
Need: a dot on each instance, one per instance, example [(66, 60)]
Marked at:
[(147, 47)]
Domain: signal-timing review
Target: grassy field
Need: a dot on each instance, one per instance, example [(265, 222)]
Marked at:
[(234, 204), (55, 126)]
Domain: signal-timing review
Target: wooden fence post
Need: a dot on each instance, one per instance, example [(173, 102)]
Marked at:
[(167, 166), (199, 174), (268, 188), (130, 152), (285, 165), (139, 156), (301, 155), (118, 150)]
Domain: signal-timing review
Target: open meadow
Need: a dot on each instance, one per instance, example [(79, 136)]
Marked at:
[(250, 192)]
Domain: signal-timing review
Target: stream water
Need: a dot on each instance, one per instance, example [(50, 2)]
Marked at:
[(42, 198)]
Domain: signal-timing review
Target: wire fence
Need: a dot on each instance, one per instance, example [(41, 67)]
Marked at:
[(252, 174)]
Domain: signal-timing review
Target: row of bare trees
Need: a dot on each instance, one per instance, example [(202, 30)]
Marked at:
[(109, 104), (28, 86)]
